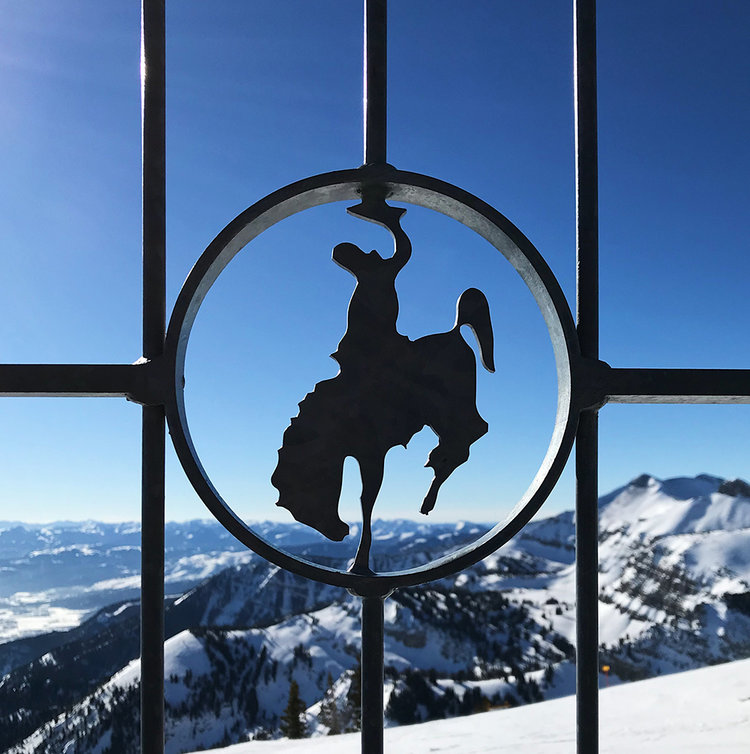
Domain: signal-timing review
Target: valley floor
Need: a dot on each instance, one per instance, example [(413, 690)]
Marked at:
[(695, 712)]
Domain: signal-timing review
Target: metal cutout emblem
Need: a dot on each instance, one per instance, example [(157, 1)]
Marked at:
[(388, 388), (371, 186)]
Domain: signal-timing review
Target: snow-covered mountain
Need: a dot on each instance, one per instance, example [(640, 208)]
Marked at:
[(674, 594)]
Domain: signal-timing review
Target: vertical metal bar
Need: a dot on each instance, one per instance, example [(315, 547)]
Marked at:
[(154, 170), (375, 124), (375, 80), (587, 197), (154, 322), (587, 515), (372, 675), (152, 582), (587, 585)]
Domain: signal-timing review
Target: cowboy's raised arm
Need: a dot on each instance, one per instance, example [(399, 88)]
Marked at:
[(401, 242)]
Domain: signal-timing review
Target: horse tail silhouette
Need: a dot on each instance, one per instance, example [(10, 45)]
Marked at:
[(449, 398), (473, 310)]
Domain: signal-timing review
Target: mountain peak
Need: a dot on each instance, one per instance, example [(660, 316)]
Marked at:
[(654, 508), (735, 488), (642, 481)]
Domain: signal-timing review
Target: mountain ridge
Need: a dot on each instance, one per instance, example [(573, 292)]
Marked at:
[(674, 594)]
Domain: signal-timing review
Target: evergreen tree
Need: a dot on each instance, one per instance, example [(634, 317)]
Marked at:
[(402, 705), (329, 711), (293, 723), (354, 698)]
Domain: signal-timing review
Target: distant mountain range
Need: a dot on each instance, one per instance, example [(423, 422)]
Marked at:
[(54, 575), (674, 594)]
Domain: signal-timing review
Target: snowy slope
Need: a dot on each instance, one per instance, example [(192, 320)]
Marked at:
[(674, 573), (674, 594), (695, 712), (223, 684)]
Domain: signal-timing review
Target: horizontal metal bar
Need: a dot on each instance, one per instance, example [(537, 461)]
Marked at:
[(678, 386), (599, 383), (142, 382)]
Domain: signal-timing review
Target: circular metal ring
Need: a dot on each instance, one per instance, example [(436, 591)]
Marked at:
[(423, 191)]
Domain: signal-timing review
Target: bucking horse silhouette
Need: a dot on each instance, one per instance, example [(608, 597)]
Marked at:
[(388, 388)]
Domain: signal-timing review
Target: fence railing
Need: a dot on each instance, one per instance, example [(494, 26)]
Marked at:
[(151, 381)]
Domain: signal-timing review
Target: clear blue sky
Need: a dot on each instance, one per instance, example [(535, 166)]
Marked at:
[(264, 93)]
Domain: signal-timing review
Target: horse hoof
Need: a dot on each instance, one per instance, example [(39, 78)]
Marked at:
[(429, 502)]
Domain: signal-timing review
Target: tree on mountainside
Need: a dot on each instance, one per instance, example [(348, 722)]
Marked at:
[(354, 699), (329, 711), (293, 724)]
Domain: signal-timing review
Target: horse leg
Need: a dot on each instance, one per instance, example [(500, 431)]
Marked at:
[(371, 470), (443, 461)]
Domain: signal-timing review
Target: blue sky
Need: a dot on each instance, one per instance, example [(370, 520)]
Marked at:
[(262, 94)]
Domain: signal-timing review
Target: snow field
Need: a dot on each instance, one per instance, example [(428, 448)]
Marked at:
[(695, 712)]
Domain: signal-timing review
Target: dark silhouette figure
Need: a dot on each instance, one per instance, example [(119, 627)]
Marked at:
[(387, 390)]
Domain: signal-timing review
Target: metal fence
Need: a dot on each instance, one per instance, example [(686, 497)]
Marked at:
[(151, 381)]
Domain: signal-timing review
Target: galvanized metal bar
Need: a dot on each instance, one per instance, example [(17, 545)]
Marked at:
[(372, 675), (154, 325), (375, 81), (587, 320), (140, 382)]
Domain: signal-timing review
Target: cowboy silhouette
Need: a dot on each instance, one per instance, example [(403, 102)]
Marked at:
[(388, 388)]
